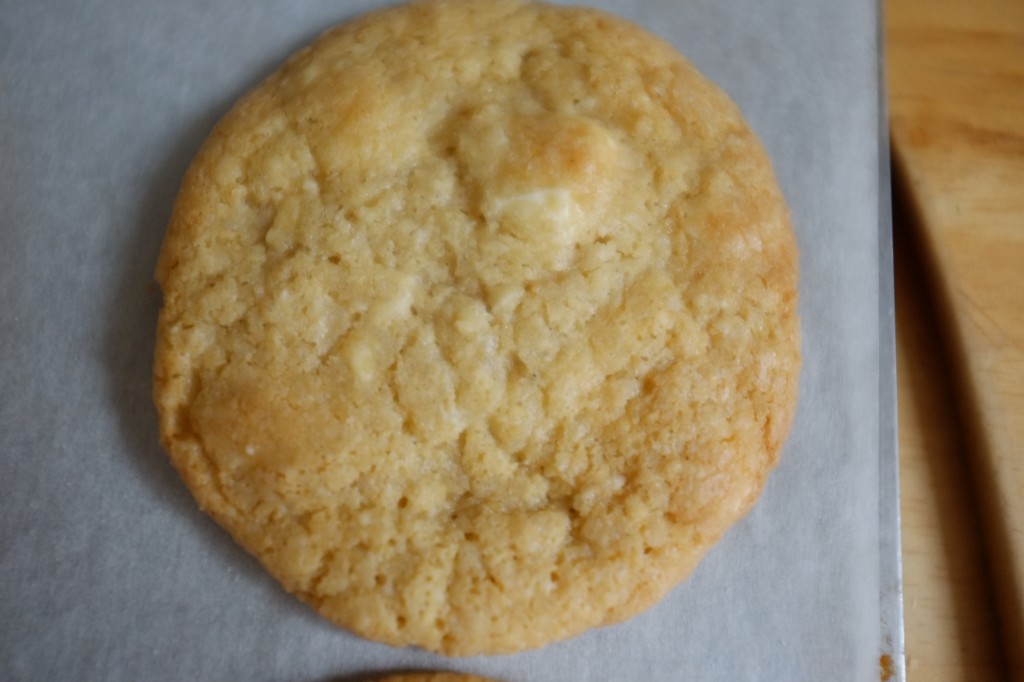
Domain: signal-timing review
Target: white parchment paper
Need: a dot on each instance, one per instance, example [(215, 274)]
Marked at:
[(108, 571)]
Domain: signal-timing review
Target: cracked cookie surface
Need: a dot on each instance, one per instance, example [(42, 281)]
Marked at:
[(479, 323)]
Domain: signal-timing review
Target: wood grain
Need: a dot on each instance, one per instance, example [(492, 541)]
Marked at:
[(949, 611), (956, 84)]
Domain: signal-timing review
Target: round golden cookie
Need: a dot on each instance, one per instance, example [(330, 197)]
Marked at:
[(479, 323)]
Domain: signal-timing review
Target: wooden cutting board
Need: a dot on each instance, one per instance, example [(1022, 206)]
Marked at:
[(956, 87)]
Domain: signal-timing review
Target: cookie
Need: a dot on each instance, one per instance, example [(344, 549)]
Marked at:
[(434, 677), (479, 323)]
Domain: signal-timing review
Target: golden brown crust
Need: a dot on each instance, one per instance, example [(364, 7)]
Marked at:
[(479, 323)]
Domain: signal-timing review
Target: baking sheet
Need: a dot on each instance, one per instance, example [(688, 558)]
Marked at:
[(107, 569)]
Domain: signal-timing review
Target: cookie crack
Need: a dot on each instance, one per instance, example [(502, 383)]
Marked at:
[(314, 592)]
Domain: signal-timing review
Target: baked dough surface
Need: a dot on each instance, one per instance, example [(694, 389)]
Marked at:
[(479, 323)]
